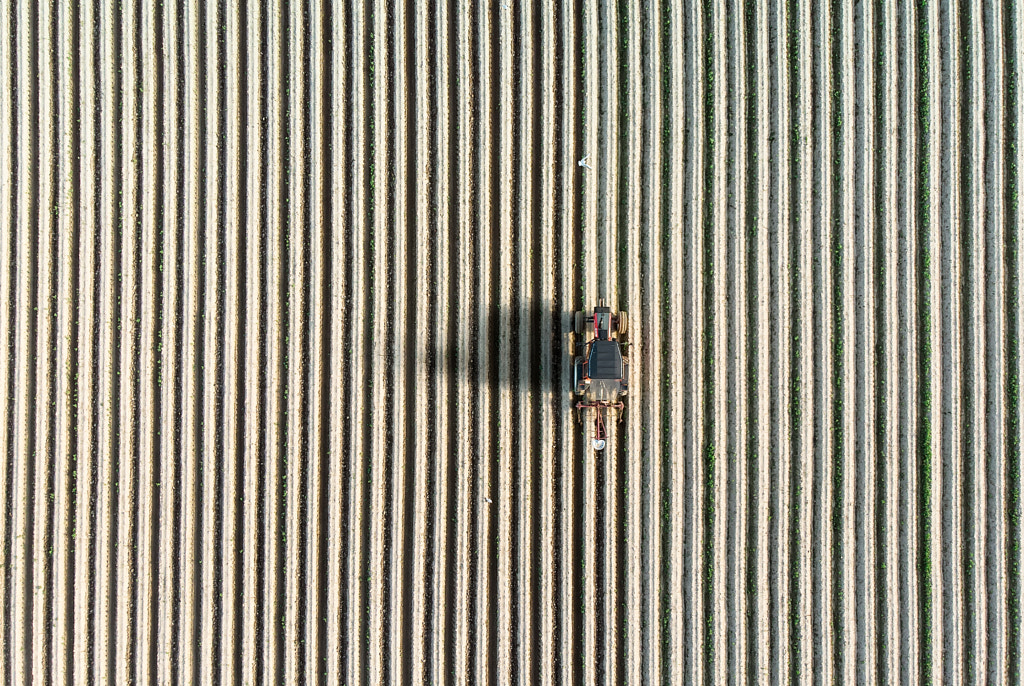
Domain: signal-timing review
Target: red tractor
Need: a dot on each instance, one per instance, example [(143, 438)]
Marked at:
[(600, 370)]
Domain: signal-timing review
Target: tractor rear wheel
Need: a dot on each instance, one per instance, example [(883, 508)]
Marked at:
[(579, 322), (623, 324)]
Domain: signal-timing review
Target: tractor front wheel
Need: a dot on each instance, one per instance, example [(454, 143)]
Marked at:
[(579, 323), (623, 324)]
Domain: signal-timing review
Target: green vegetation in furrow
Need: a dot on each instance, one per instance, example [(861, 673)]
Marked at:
[(709, 343), (925, 361), (1013, 228)]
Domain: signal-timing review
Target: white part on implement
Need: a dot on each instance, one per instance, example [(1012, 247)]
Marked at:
[(599, 444)]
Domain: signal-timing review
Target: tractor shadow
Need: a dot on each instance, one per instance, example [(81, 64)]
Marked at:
[(513, 365)]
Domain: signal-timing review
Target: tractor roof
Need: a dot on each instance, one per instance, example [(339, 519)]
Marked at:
[(605, 361)]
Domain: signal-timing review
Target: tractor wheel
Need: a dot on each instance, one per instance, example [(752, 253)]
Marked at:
[(579, 323), (623, 324)]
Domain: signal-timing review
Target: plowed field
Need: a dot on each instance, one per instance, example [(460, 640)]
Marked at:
[(286, 294)]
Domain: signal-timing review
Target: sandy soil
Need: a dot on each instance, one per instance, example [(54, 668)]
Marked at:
[(288, 297)]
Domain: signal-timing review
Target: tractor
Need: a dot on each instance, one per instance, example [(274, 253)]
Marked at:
[(600, 370)]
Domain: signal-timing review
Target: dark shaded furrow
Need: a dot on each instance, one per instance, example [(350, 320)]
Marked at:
[(1011, 143)]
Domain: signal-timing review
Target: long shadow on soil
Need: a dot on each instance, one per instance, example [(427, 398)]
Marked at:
[(502, 353)]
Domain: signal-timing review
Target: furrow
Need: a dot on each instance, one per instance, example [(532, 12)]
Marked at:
[(845, 254), (188, 609), (690, 271), (777, 225), (590, 259), (1004, 618), (889, 331), (955, 481), (822, 543), (567, 220), (168, 110), (354, 356), (39, 560), (397, 599), (79, 639), (483, 527), (524, 313), (544, 178), (756, 447), (102, 571), (309, 365), (16, 598), (380, 185), (932, 124), (126, 428), (974, 193), (628, 230), (419, 267), (231, 316), (149, 319), (501, 452), (63, 491), (803, 186), (648, 362), (318, 250), (337, 225), (866, 390), (612, 130), (1015, 315), (11, 175), (272, 556), (467, 501), (293, 284), (441, 350), (209, 455), (737, 333), (677, 445), (253, 617), (714, 354), (911, 615)]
